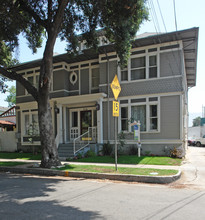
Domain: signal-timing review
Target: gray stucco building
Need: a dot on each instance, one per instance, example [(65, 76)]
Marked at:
[(154, 90)]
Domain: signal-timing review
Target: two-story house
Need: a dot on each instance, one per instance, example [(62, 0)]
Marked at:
[(154, 88)]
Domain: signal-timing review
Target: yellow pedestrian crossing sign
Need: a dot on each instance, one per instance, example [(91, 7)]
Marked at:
[(115, 86)]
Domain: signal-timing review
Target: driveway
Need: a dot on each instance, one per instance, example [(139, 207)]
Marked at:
[(193, 168)]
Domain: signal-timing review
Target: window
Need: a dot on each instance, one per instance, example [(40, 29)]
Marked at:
[(31, 125), (95, 78), (34, 124), (145, 110), (124, 118), (37, 81), (138, 68), (153, 66), (153, 117), (26, 124), (124, 74), (30, 79), (73, 78), (94, 118), (138, 113), (74, 119)]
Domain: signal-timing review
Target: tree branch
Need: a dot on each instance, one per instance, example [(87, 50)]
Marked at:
[(36, 17), (13, 75), (59, 14)]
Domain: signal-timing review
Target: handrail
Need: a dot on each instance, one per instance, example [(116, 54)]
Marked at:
[(79, 138), (88, 135)]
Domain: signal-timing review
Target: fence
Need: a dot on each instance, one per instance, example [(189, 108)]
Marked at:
[(8, 141)]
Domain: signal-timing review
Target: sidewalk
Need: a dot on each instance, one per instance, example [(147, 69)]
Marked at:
[(32, 167)]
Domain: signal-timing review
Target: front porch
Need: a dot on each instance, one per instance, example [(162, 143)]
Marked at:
[(78, 120)]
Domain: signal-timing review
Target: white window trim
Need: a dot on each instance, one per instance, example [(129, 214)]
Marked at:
[(23, 132), (147, 103)]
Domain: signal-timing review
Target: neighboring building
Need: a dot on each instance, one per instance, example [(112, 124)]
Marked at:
[(154, 91), (8, 119), (3, 109)]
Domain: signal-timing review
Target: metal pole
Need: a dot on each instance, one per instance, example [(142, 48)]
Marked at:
[(115, 118)]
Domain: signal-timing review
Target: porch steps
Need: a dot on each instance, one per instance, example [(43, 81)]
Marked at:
[(65, 150)]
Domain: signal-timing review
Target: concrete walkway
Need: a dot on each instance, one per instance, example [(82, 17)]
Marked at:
[(193, 169), (100, 164)]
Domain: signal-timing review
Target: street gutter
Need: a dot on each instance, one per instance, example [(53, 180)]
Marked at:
[(118, 177)]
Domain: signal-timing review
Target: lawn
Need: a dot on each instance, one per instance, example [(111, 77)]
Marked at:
[(121, 170), (133, 159), (8, 164), (23, 156)]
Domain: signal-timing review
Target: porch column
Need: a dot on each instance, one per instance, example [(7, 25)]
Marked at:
[(100, 122)]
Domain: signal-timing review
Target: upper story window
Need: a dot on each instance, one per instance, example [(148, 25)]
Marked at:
[(138, 68), (95, 78), (153, 66), (141, 66)]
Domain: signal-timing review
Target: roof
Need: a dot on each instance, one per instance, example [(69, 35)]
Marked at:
[(3, 109), (189, 38), (3, 122)]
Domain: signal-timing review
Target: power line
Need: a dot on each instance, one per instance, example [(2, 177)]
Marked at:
[(161, 16), (175, 15)]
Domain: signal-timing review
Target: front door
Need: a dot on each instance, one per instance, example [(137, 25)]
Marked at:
[(85, 121)]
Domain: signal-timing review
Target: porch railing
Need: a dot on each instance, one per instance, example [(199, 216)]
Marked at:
[(85, 139)]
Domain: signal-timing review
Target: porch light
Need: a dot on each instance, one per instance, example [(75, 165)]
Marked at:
[(57, 110)]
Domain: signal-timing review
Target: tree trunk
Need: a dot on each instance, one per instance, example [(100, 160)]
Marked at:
[(49, 149)]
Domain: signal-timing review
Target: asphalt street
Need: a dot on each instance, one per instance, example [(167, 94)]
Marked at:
[(34, 197)]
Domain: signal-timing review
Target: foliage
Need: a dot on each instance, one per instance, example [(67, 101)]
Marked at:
[(196, 121), (133, 150), (107, 149), (90, 153), (11, 98), (121, 140), (79, 156), (175, 153), (40, 19)]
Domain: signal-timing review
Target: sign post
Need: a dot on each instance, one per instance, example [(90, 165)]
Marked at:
[(136, 126), (115, 86)]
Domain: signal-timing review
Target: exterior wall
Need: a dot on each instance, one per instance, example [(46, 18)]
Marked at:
[(170, 63), (60, 80), (103, 71), (84, 81), (169, 119), (108, 130), (8, 141), (146, 87)]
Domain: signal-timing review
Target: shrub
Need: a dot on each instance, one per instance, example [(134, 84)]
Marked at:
[(107, 149), (175, 153), (79, 156), (90, 154), (133, 150)]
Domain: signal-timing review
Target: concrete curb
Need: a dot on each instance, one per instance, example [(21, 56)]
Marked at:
[(119, 177)]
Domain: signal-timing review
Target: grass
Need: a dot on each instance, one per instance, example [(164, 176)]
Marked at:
[(133, 159), (22, 156), (8, 164), (121, 170)]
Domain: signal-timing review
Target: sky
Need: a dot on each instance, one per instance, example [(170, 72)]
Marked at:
[(189, 14)]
